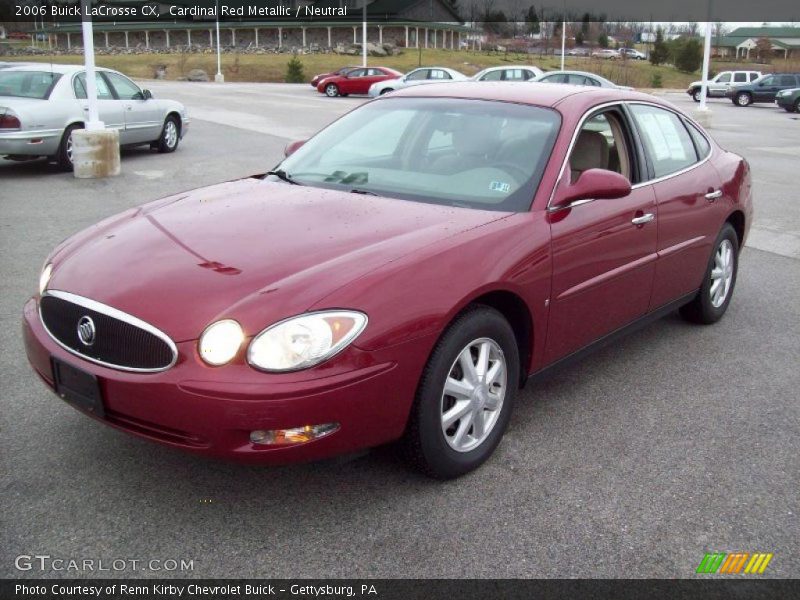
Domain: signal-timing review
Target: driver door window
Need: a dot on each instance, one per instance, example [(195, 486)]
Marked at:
[(601, 144)]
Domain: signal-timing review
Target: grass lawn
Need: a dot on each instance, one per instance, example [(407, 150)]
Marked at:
[(272, 67)]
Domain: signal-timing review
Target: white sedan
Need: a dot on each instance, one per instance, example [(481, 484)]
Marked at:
[(41, 104), (416, 77), (515, 73)]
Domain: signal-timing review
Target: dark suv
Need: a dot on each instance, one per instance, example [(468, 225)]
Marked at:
[(763, 89)]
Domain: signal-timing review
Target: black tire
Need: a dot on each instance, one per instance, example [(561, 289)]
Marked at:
[(797, 105), (424, 444), (386, 91), (170, 135), (701, 309), (331, 90), (743, 99), (696, 94), (62, 157)]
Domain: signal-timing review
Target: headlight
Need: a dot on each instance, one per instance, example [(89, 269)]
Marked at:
[(220, 342), (305, 340), (783, 93), (44, 278)]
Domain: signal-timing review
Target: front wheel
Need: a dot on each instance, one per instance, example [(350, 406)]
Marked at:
[(331, 90), (386, 91), (170, 135), (716, 292), (465, 396), (696, 95), (743, 99), (797, 106)]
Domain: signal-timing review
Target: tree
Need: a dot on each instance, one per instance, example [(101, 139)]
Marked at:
[(603, 39), (688, 55), (660, 52), (294, 71), (763, 49), (579, 38), (532, 21)]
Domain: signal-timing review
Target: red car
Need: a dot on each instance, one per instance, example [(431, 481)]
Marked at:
[(355, 81), (321, 76), (400, 276)]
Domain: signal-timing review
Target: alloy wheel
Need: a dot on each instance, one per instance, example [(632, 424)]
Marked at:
[(473, 394), (743, 99), (170, 134), (69, 149), (722, 273)]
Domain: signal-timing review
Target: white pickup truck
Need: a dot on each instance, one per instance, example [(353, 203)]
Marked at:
[(721, 82)]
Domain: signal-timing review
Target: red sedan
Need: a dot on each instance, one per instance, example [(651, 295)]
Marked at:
[(355, 81), (399, 277)]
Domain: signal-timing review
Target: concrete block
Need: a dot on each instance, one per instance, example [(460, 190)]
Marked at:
[(95, 153)]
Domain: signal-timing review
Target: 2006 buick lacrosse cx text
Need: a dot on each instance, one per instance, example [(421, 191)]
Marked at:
[(398, 277)]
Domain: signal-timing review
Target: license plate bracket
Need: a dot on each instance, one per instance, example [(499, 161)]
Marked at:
[(78, 388)]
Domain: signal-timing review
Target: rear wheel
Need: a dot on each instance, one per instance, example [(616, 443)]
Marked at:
[(64, 155), (743, 99), (331, 90), (465, 396), (716, 292)]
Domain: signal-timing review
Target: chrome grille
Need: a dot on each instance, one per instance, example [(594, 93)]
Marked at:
[(105, 335)]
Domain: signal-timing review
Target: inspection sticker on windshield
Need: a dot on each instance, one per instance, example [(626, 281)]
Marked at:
[(500, 186)]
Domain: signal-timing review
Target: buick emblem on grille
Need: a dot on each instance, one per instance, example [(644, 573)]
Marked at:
[(86, 331)]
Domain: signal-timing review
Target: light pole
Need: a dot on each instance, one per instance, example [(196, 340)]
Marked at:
[(364, 34), (219, 77), (703, 113)]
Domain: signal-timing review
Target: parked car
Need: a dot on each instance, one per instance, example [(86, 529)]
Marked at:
[(468, 236), (316, 79), (763, 89), (606, 53), (718, 86), (515, 73), (789, 99), (578, 78), (578, 51), (416, 77), (357, 81), (632, 53), (42, 104)]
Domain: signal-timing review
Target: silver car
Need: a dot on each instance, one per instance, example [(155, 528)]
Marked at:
[(579, 78), (42, 104), (416, 77), (510, 73)]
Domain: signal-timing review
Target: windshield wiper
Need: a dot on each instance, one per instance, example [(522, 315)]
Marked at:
[(283, 176), (360, 191)]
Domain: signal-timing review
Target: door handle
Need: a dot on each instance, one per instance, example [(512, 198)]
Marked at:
[(643, 219), (711, 196)]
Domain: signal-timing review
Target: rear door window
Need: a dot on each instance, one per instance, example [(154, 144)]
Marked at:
[(787, 80), (666, 140), (103, 91), (740, 77)]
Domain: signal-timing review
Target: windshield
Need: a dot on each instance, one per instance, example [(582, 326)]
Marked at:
[(475, 153), (27, 84)]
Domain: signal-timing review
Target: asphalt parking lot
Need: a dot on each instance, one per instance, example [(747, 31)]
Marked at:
[(676, 441)]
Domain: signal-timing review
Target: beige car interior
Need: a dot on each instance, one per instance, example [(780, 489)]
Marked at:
[(600, 145)]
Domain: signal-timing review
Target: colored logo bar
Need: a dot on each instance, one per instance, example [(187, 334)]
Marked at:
[(737, 562)]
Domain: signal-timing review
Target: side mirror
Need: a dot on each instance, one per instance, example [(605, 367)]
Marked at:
[(594, 184), (293, 147), (146, 94)]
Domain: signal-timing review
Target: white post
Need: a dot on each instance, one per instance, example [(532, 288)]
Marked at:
[(280, 37), (406, 36), (563, 42), (93, 123), (146, 39), (189, 37), (126, 40), (95, 149), (166, 31), (702, 114), (69, 41), (364, 35), (380, 34), (304, 36), (330, 45), (219, 77), (416, 37), (256, 29)]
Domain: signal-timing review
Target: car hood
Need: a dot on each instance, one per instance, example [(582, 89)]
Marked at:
[(252, 250)]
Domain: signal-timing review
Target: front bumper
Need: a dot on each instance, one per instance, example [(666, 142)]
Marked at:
[(212, 411), (784, 101)]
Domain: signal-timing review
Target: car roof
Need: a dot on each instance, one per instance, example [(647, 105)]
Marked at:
[(52, 67), (509, 67), (584, 73), (525, 92)]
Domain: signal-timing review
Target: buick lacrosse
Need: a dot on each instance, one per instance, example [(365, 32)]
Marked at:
[(396, 278)]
